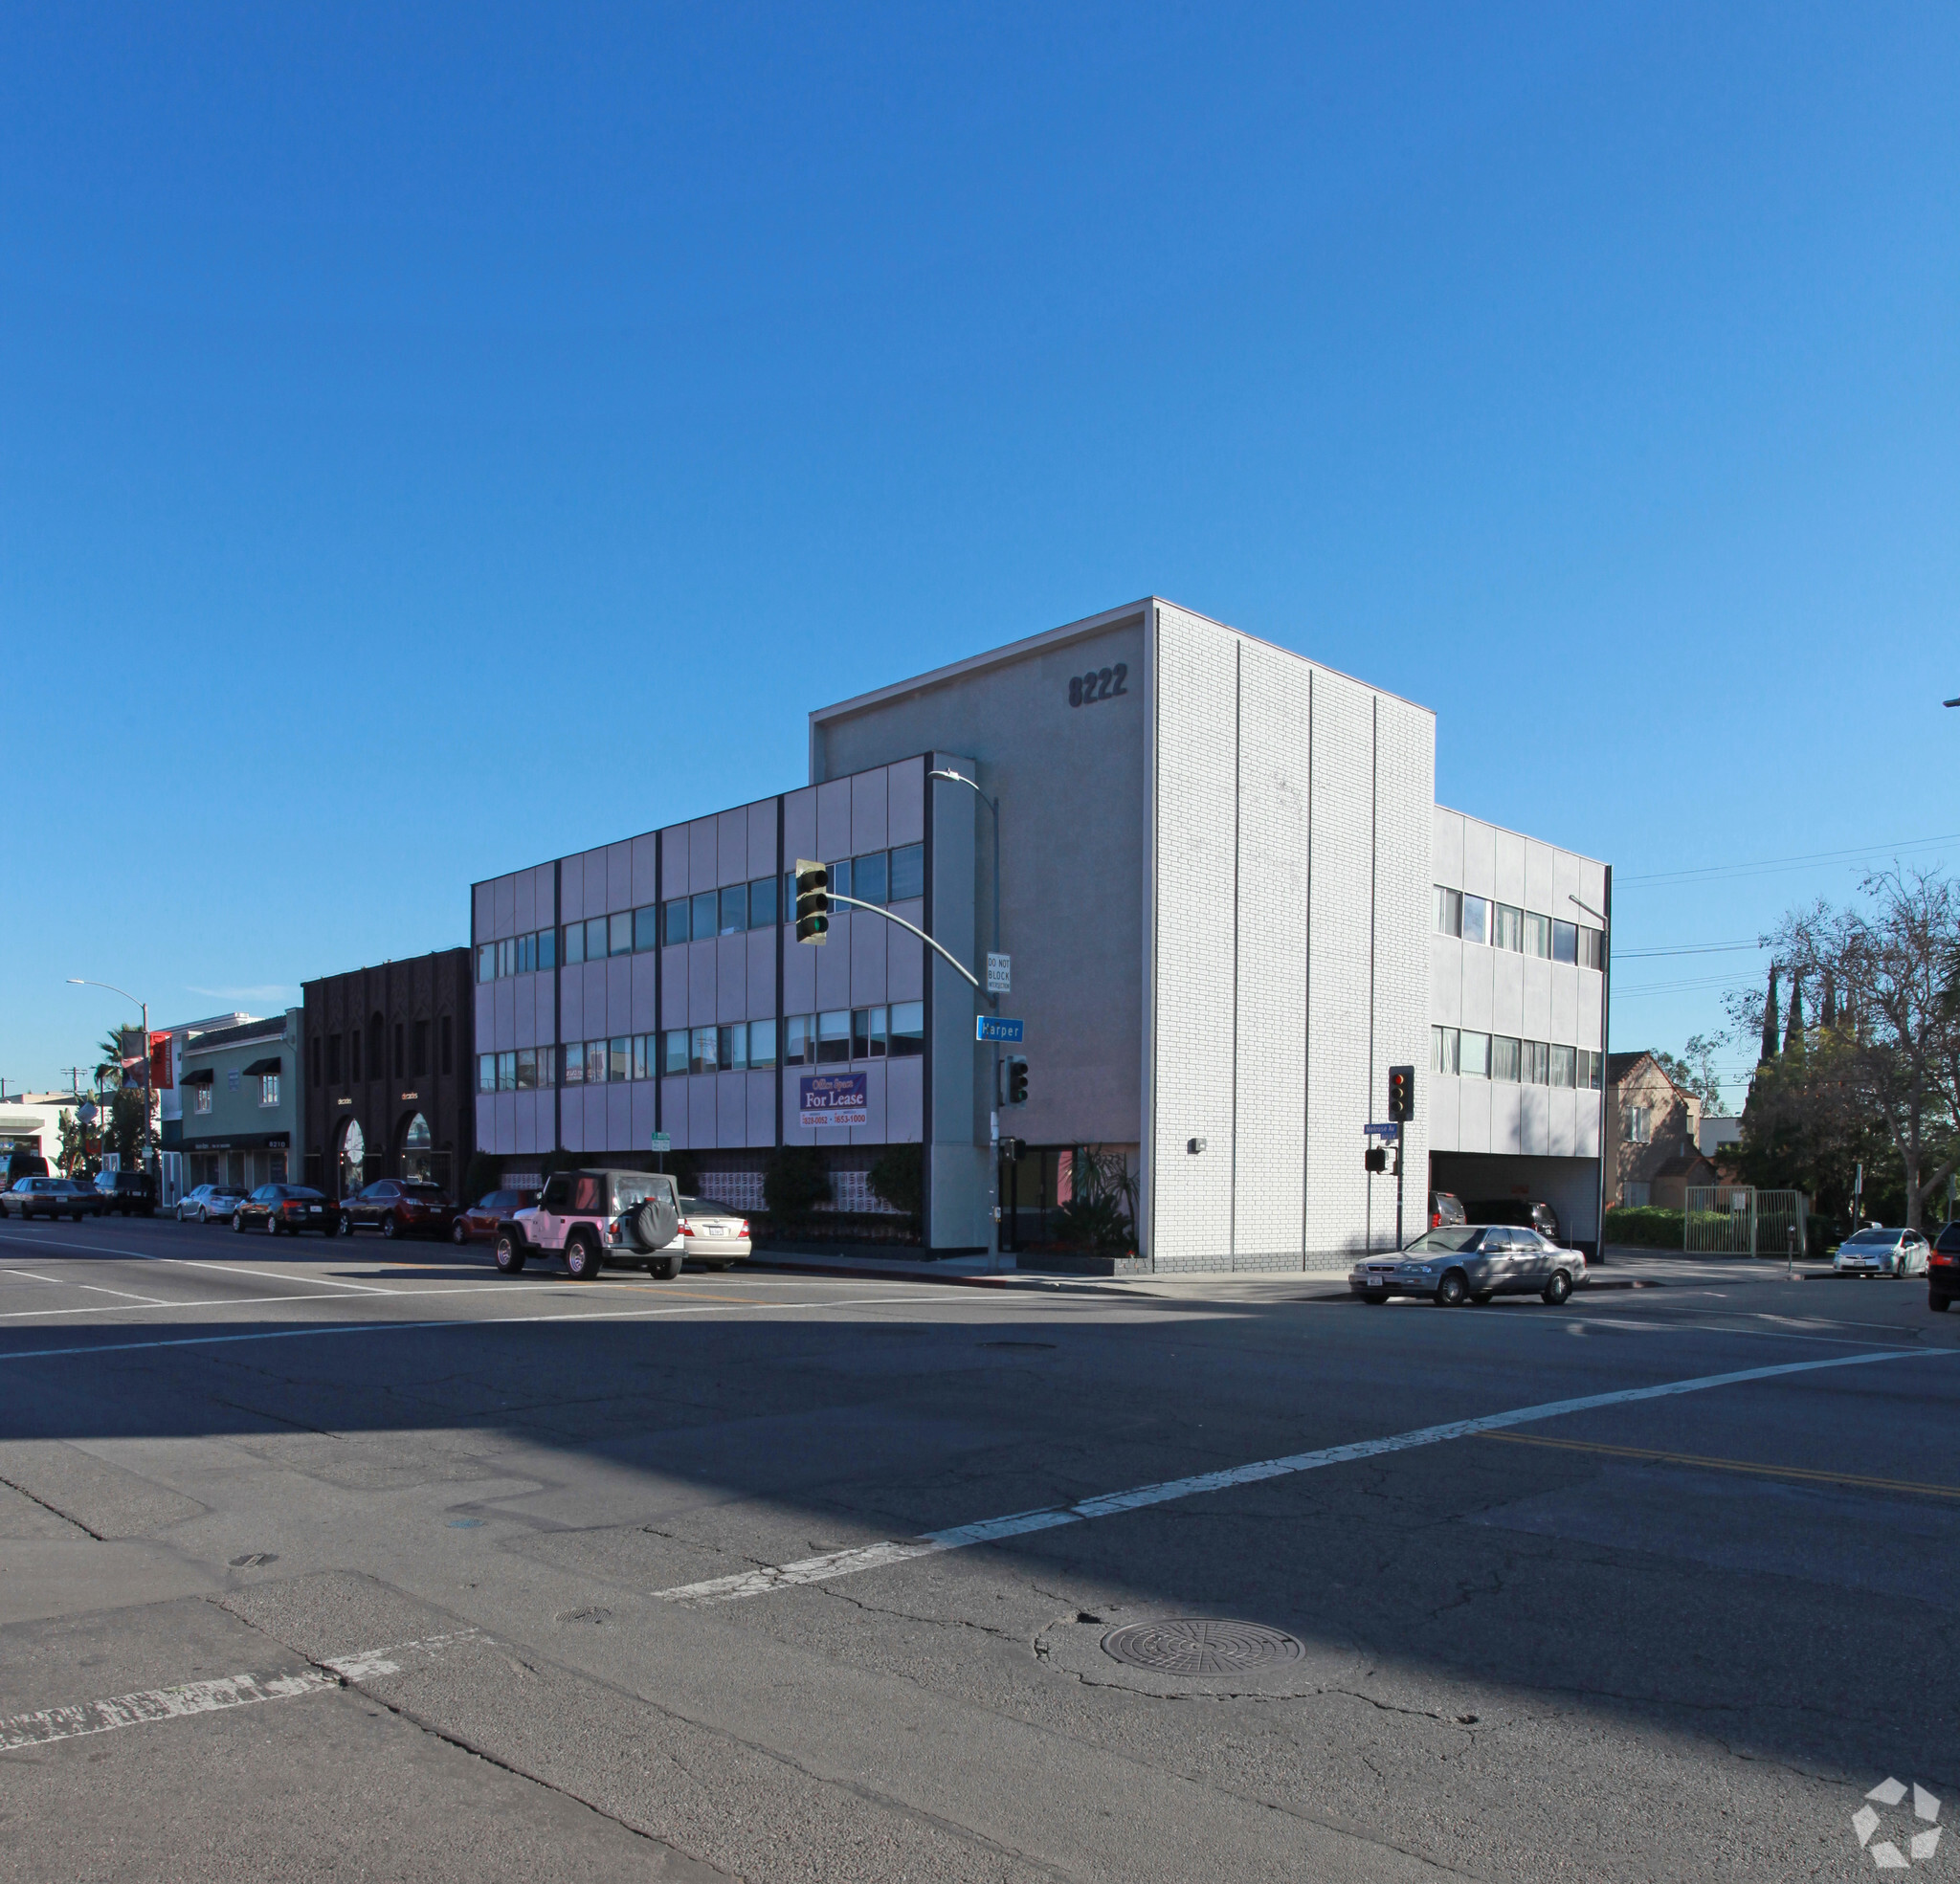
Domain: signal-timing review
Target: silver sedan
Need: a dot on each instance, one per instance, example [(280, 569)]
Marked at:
[(715, 1235), (1460, 1263), (1883, 1253)]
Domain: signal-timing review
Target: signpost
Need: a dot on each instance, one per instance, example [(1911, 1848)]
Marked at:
[(1000, 972), (997, 1026), (825, 1100), (661, 1143)]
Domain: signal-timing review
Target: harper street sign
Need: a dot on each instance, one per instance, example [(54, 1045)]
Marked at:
[(834, 1098), (995, 1027)]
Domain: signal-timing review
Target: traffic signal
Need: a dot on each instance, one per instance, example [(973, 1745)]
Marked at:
[(1375, 1158), (1011, 1150), (812, 901), (1402, 1094), (1016, 1072)]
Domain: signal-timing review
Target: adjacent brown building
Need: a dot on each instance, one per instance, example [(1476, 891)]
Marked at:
[(388, 1061), (1652, 1133)]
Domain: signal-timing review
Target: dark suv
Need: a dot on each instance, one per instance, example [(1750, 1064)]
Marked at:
[(398, 1207), (1943, 1266), (126, 1193), (1531, 1215)]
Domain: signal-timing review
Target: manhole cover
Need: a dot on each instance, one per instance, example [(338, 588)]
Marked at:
[(1200, 1645)]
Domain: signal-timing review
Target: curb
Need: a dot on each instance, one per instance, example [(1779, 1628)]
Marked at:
[(789, 1266)]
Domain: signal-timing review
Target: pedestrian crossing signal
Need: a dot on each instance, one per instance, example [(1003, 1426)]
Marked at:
[(812, 901), (1375, 1158)]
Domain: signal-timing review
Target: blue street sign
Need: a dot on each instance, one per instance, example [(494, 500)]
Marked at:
[(1391, 1130), (995, 1027)]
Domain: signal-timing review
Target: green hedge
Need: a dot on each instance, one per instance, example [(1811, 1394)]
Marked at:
[(1645, 1224)]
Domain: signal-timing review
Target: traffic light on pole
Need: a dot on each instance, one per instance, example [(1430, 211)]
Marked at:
[(1401, 1094), (812, 901), (1016, 1074), (1375, 1158)]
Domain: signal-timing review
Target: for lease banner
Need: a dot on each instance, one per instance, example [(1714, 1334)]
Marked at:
[(834, 1098)]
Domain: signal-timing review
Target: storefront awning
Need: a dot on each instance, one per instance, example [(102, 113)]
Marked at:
[(258, 1068), (203, 1076)]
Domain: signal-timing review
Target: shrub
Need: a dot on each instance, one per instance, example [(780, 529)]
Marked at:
[(1648, 1225), (899, 1179), (794, 1181)]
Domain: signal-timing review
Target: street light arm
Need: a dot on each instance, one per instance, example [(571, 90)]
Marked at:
[(878, 910), (1586, 906), (76, 981)]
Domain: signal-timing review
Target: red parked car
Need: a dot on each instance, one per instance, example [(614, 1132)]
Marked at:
[(398, 1207), (477, 1224)]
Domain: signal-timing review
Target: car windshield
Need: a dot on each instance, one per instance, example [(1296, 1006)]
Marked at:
[(1446, 1242), (709, 1206), (426, 1191), (1882, 1237)]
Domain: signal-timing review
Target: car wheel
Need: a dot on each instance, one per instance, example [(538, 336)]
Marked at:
[(272, 1224), (239, 1222), (510, 1251), (1375, 1298), (457, 1235), (1938, 1303), (1557, 1290), (1482, 1298), (668, 1269), (203, 1215), (1452, 1291), (346, 1225), (582, 1260), (390, 1228)]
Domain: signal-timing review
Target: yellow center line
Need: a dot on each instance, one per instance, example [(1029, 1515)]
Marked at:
[(1808, 1474)]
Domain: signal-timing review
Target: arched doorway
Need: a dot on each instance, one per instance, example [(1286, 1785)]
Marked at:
[(418, 1151), (353, 1158)]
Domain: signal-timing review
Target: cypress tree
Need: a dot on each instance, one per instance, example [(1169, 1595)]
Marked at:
[(1792, 1034), (1830, 1014), (1769, 1027)]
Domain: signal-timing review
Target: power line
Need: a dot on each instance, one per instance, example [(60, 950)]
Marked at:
[(1764, 864), (1689, 949)]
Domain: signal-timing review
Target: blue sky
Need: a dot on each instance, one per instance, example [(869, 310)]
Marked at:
[(433, 439)]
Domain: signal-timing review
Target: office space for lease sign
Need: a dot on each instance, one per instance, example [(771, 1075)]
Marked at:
[(834, 1098)]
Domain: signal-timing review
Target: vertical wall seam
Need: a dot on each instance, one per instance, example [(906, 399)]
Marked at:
[(782, 950), (1238, 896), (1374, 855), (1306, 1008)]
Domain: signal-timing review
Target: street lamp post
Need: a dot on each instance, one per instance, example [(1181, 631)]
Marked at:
[(148, 1143), (993, 1107), (1605, 917)]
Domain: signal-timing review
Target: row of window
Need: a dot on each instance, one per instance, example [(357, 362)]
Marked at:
[(268, 1091), (1520, 1062), (412, 1055), (878, 877), (896, 1031), (1498, 925)]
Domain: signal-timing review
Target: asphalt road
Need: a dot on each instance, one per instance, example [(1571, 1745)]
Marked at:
[(352, 1560)]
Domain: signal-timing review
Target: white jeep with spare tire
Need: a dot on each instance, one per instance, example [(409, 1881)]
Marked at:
[(595, 1217)]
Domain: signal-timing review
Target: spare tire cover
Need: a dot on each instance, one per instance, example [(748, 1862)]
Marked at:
[(655, 1224)]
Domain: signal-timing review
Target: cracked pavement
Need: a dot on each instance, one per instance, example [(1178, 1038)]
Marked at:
[(1518, 1661)]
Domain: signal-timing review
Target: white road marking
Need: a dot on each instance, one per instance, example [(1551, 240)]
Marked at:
[(93, 1288), (153, 1704), (194, 1262), (473, 1322), (563, 1286), (991, 1530)]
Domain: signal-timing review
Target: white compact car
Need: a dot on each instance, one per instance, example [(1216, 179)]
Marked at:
[(1893, 1252)]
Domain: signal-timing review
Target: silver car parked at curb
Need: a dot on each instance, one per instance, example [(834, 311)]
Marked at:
[(1460, 1263)]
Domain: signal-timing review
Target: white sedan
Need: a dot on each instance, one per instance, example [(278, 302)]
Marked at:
[(1882, 1252), (713, 1234)]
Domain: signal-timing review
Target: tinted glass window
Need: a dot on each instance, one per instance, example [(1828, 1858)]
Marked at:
[(587, 1192), (575, 943), (762, 1043), (908, 873), (1476, 919), (869, 875), (762, 902), (1447, 909), (619, 933), (734, 911), (1448, 1241), (1564, 941), (677, 919), (633, 1188), (907, 1030), (557, 1189), (428, 1192), (706, 913), (646, 927), (834, 1035), (840, 878)]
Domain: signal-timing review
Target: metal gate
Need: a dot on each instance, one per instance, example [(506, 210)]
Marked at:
[(1739, 1219)]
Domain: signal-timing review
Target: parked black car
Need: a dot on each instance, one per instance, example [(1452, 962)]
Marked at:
[(286, 1209), (1530, 1213), (25, 1165), (1943, 1266), (126, 1193), (1445, 1207)]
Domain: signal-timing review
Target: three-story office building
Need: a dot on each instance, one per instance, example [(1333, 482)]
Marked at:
[(1222, 872)]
